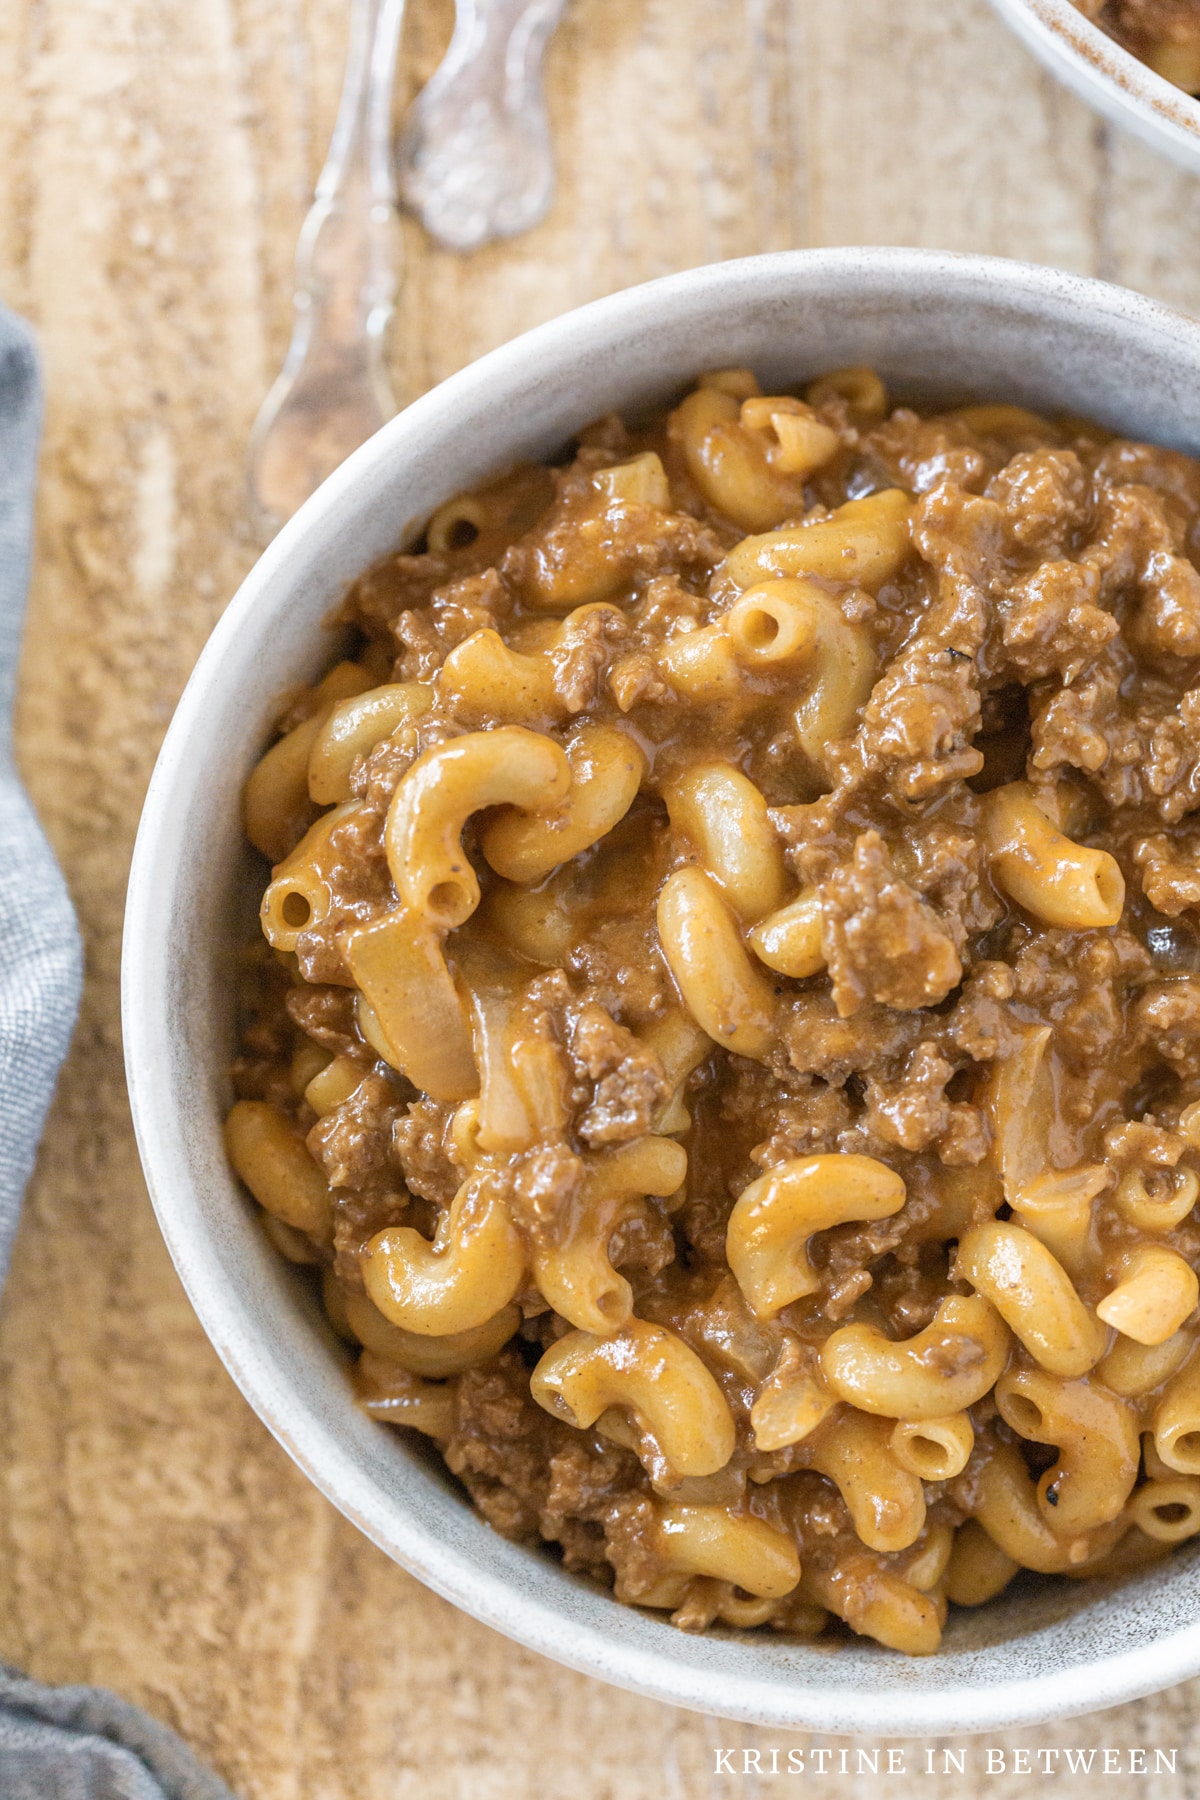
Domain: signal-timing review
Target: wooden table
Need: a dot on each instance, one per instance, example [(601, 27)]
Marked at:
[(156, 164)]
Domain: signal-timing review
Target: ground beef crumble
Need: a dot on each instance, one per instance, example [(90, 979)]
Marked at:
[(628, 1082), (882, 942)]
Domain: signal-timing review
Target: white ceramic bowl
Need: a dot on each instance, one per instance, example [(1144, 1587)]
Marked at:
[(938, 327), (1108, 77)]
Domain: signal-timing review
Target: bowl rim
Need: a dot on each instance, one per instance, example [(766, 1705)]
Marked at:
[(1108, 76), (483, 1592)]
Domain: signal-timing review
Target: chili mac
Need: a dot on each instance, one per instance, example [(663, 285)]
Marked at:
[(727, 1035)]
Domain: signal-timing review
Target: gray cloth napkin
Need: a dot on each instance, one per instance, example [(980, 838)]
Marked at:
[(73, 1743), (81, 1743), (40, 956)]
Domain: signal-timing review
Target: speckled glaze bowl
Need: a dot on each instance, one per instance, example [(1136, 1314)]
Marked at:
[(1107, 76), (938, 327)]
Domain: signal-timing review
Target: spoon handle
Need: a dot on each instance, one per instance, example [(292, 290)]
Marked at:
[(475, 156), (333, 390)]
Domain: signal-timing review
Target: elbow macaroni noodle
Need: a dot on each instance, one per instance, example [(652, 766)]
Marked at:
[(705, 952), (949, 1365), (468, 1275), (1057, 881), (776, 1216), (675, 1407), (600, 1064)]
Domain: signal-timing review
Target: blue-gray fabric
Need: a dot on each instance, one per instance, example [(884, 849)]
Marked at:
[(40, 957), (70, 1743), (81, 1743)]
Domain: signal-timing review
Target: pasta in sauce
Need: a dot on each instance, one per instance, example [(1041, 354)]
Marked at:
[(727, 1034)]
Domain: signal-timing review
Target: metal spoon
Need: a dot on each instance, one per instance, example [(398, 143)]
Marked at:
[(333, 390), (475, 156)]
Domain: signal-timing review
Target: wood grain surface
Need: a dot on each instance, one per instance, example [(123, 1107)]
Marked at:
[(155, 160)]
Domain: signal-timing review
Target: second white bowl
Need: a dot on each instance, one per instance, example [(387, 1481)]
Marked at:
[(1108, 77)]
